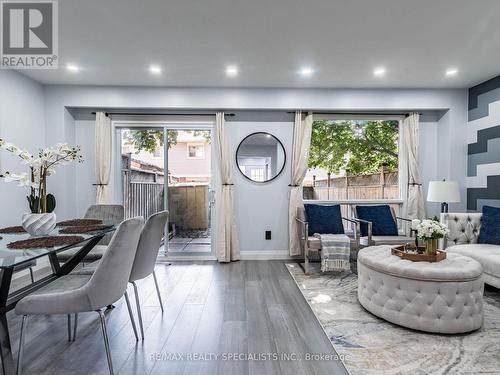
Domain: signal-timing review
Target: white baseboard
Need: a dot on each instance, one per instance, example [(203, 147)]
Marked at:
[(166, 259), (244, 255), (266, 255)]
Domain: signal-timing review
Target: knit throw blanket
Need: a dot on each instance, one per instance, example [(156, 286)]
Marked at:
[(335, 252)]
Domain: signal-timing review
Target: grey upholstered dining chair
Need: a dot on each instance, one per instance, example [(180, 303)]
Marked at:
[(112, 214), (145, 259), (72, 294)]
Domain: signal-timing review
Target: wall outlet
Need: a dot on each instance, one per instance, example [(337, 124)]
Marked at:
[(268, 234)]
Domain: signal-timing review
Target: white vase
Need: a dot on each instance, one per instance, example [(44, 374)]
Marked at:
[(39, 224)]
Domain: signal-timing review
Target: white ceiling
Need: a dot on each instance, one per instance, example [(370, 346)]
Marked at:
[(115, 41)]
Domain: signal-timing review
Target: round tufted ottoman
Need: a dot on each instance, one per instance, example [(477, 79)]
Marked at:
[(443, 297)]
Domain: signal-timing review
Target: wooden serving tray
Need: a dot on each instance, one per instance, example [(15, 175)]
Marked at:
[(420, 257)]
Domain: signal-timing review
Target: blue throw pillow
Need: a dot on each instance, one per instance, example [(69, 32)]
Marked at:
[(324, 219), (490, 226), (383, 223)]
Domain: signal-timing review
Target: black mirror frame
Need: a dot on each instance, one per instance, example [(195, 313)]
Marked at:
[(277, 174)]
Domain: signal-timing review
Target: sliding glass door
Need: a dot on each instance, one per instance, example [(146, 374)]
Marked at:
[(189, 160), (170, 167)]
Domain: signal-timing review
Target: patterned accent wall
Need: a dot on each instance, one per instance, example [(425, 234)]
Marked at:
[(483, 167)]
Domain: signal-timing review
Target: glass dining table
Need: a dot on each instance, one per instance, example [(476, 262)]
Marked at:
[(14, 258)]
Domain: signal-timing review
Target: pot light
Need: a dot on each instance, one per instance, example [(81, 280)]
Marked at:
[(72, 68), (306, 71), (155, 69), (379, 71), (232, 71), (451, 72)]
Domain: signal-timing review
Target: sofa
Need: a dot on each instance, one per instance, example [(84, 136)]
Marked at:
[(463, 239)]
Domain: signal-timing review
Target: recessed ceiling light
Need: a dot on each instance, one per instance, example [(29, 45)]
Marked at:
[(306, 71), (232, 70), (155, 69), (379, 72), (451, 72), (72, 68)]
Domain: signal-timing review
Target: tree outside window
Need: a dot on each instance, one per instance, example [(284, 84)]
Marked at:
[(363, 153)]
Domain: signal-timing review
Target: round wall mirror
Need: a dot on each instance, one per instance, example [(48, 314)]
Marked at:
[(260, 157)]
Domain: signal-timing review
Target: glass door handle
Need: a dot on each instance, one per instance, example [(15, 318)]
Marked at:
[(211, 196)]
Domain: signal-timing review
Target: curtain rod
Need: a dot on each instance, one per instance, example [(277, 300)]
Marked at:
[(232, 114), (161, 114), (359, 113)]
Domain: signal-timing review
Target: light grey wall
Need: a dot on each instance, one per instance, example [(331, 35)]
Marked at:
[(262, 206), (85, 172), (22, 122), (443, 137)]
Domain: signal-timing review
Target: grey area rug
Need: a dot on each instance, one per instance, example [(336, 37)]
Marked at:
[(371, 345)]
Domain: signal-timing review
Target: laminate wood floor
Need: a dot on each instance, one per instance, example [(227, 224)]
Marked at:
[(251, 310)]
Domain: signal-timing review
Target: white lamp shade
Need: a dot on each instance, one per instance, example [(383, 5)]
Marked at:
[(443, 191)]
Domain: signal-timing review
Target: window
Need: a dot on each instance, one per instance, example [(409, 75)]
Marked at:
[(257, 174), (196, 151), (353, 160)]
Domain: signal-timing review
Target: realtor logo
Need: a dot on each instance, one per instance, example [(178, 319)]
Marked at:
[(29, 34)]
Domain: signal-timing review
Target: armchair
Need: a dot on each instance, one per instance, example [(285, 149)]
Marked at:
[(311, 245), (378, 226)]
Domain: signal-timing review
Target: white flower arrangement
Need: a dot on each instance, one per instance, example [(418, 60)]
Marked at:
[(429, 229), (41, 166)]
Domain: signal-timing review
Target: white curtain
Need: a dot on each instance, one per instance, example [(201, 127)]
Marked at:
[(300, 155), (415, 200), (227, 246), (103, 157)]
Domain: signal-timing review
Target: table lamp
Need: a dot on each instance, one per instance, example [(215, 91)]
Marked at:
[(443, 192)]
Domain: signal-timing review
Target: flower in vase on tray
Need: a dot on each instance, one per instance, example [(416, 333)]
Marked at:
[(430, 229)]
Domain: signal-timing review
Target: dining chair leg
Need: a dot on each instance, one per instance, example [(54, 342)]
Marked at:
[(69, 327), (75, 327), (132, 320), (106, 340), (31, 275), (138, 305), (158, 290), (24, 324)]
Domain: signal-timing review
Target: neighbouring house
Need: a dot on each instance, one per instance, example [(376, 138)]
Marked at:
[(189, 160), (189, 176)]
